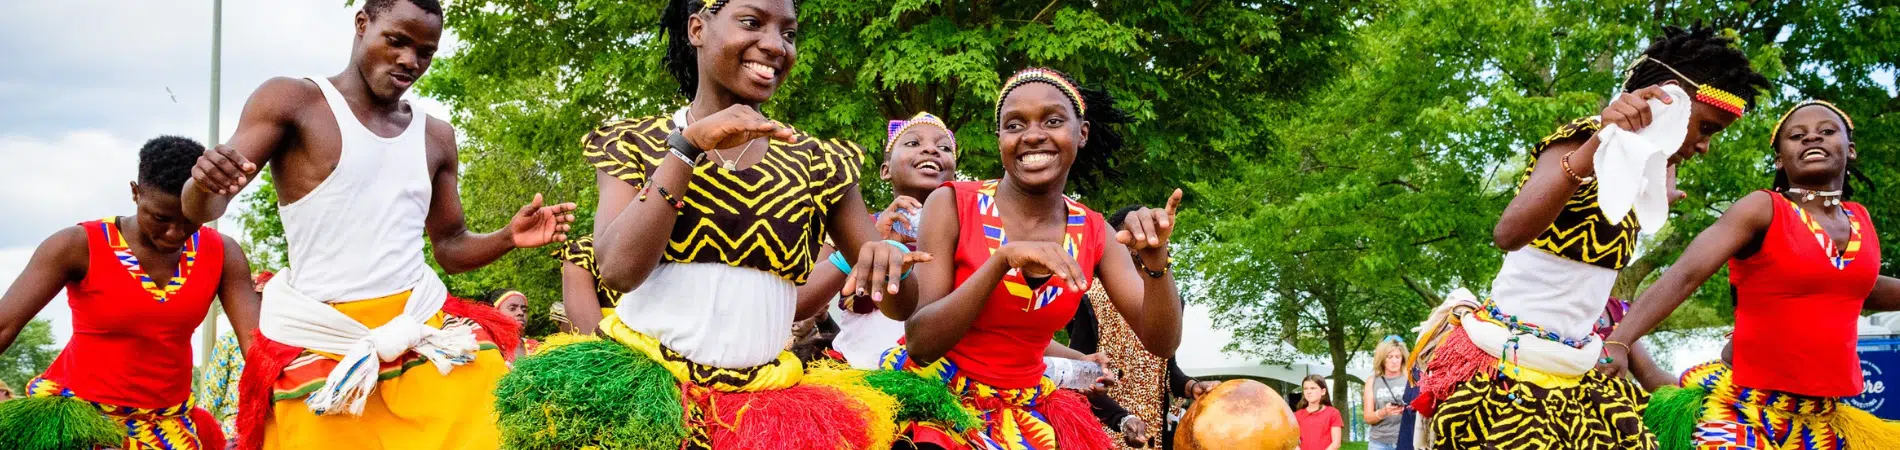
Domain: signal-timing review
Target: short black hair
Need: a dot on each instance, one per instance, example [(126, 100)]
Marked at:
[(165, 163), (1703, 54), (376, 7), (492, 297), (1115, 220)]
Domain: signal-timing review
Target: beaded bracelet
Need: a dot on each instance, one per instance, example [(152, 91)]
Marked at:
[(1573, 175), (675, 202), (837, 259)]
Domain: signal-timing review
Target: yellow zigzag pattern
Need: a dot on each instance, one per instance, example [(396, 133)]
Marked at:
[(769, 216), (1581, 232)]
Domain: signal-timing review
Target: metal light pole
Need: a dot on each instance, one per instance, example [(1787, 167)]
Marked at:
[(209, 330)]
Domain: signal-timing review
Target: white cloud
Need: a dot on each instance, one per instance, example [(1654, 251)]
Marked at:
[(78, 176)]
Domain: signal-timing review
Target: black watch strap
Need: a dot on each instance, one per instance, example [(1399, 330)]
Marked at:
[(682, 147)]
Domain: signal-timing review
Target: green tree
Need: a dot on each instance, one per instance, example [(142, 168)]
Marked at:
[(32, 352)]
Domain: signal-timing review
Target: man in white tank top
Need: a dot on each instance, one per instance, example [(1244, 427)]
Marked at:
[(362, 176)]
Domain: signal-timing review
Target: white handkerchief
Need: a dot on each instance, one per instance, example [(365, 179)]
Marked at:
[(1633, 167)]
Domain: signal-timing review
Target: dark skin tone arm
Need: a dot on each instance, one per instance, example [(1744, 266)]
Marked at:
[(1543, 196), (577, 297), (1886, 295), (819, 289), (1155, 302), (264, 128), (1741, 225), (457, 249), (237, 294), (60, 259)]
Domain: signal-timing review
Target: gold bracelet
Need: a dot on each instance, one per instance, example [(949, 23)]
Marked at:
[(1573, 175), (1626, 347)]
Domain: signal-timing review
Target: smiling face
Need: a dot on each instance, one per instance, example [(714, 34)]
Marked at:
[(1038, 134), (161, 218), (1813, 146), (923, 158), (746, 48), (394, 48)]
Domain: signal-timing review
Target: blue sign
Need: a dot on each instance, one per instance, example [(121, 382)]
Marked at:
[(1880, 367)]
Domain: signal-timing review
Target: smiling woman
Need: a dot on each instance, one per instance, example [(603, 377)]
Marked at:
[(709, 221)]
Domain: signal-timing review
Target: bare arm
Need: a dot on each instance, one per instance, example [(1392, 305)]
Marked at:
[(1543, 196), (457, 249), (1153, 302), (945, 310), (629, 243), (1649, 374), (851, 228), (269, 118), (578, 298), (1886, 295), (59, 260), (237, 294), (821, 287), (1338, 436), (1058, 350), (1738, 227), (1368, 411)]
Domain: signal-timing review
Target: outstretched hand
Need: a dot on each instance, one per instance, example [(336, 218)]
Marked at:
[(538, 225), (1147, 230), (880, 264), (223, 171)]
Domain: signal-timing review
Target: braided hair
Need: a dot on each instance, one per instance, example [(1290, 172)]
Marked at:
[(1098, 109), (1702, 54), (681, 58), (1853, 169)]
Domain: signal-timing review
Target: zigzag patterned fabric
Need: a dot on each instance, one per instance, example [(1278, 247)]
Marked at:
[(770, 216), (1493, 411), (995, 236), (114, 238), (168, 428), (1581, 232), (580, 252)]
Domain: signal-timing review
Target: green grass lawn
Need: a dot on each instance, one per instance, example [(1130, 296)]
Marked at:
[(1353, 446)]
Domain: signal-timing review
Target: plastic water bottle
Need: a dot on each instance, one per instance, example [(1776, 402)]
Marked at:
[(1072, 373), (911, 229)]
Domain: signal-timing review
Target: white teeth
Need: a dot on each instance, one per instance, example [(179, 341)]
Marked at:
[(761, 69), (1038, 158), (928, 165)]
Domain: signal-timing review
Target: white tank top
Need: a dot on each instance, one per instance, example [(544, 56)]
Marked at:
[(358, 234)]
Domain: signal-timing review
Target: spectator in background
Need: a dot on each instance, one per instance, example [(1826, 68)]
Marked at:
[(6, 392), (1384, 399), (514, 304), (1321, 427)]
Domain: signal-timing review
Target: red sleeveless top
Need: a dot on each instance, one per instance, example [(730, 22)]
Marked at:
[(1797, 306), (131, 343), (1004, 347)]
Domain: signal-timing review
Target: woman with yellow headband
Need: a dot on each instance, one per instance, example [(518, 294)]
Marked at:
[(1017, 257), (1804, 262), (1515, 370)]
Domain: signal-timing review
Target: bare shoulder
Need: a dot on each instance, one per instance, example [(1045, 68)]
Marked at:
[(66, 249), (440, 136), (1755, 210), (287, 94)]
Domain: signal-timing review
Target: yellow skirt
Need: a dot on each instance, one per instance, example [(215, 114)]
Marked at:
[(410, 409)]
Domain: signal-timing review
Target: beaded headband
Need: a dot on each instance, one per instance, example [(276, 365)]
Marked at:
[(898, 127), (1776, 136), (712, 6), (1038, 74), (1711, 95)]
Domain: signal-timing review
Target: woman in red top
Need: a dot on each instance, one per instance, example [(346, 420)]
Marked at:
[(1023, 257), (1803, 263), (1321, 428), (138, 287)]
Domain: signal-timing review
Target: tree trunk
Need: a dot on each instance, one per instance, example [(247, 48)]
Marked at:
[(1629, 282), (1336, 348)]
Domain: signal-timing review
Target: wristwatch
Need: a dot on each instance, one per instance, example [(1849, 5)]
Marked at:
[(683, 148)]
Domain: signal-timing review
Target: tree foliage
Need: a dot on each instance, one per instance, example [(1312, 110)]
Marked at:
[(1383, 186), (32, 352)]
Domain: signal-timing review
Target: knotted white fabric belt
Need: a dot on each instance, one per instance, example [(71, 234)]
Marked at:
[(289, 317)]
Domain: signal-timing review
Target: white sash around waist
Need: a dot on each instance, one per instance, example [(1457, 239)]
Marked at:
[(289, 317)]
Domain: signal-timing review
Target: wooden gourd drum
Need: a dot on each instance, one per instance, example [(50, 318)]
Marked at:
[(1238, 415)]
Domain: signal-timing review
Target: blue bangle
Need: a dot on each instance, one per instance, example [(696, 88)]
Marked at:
[(906, 249), (837, 259)]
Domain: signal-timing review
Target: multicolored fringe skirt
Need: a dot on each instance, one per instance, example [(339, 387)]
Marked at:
[(629, 392), (1479, 401), (1710, 412), (52, 418), (1036, 418)]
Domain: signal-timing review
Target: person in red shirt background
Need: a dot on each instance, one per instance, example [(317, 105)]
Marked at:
[(1321, 427)]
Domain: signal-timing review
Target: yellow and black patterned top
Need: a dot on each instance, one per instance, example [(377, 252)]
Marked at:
[(769, 217), (580, 251), (1581, 232)]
